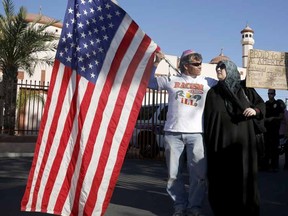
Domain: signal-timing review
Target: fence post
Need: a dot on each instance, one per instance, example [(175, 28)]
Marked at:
[(1, 106)]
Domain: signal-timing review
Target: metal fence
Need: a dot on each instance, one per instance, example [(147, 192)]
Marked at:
[(147, 137), (31, 97)]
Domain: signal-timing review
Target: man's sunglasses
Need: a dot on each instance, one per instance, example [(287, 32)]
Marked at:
[(195, 64)]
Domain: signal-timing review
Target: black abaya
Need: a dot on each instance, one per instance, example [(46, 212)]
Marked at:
[(231, 155)]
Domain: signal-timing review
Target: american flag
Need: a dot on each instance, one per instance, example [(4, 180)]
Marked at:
[(99, 78)]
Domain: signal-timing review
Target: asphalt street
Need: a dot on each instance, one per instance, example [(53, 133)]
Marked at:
[(140, 190)]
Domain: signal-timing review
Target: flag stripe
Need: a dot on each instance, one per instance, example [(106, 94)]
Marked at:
[(61, 148), (113, 126), (64, 191), (114, 120), (133, 115), (128, 37), (58, 137), (25, 198), (52, 132), (38, 148), (100, 140)]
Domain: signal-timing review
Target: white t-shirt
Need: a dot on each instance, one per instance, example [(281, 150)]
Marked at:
[(186, 102)]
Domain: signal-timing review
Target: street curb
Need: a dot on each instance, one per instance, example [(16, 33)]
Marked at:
[(17, 149)]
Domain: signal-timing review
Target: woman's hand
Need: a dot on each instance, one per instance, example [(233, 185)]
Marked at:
[(248, 112)]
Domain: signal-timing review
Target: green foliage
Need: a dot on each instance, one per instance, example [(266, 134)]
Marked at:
[(23, 45), (22, 42), (24, 96)]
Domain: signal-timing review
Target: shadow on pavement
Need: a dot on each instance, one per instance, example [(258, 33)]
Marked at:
[(140, 190)]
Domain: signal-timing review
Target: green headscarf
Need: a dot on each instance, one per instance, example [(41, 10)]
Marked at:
[(233, 79), (231, 89)]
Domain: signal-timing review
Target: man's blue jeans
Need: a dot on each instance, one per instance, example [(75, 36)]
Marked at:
[(178, 148)]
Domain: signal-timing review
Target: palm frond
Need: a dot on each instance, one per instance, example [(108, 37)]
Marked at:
[(22, 42)]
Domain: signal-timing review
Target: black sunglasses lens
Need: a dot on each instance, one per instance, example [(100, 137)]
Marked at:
[(195, 64)]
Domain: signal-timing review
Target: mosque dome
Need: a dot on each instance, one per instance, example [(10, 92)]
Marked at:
[(219, 58)]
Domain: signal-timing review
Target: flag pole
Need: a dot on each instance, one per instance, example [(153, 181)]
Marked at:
[(171, 65)]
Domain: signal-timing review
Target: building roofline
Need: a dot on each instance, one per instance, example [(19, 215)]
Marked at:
[(44, 19)]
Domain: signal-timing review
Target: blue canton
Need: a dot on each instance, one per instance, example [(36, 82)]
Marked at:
[(88, 29)]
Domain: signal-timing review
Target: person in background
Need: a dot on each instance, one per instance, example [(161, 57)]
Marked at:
[(283, 132), (184, 131), (274, 115), (231, 144)]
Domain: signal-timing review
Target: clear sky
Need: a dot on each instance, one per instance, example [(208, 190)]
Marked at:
[(207, 26)]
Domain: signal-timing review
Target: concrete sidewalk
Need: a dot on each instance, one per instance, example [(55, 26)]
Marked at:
[(140, 190)]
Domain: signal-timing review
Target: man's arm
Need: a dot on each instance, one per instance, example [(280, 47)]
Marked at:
[(153, 84)]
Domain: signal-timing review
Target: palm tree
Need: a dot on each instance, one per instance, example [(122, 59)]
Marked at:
[(21, 43)]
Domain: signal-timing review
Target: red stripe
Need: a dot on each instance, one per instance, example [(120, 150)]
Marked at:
[(87, 155), (113, 124), (68, 126), (64, 191), (129, 130), (52, 130), (25, 198)]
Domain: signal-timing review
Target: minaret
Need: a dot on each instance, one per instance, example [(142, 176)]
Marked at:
[(247, 44)]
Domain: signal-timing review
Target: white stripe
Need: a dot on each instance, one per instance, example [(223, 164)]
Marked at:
[(54, 97), (99, 86), (56, 141), (83, 141), (68, 151), (119, 133), (70, 198)]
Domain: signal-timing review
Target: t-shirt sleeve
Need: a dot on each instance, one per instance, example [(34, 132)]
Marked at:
[(162, 82), (153, 81)]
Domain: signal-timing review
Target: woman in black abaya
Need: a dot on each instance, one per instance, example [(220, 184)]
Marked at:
[(231, 145)]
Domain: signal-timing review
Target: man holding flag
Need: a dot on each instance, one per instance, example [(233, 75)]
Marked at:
[(99, 78)]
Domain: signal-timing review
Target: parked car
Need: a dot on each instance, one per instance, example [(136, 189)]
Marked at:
[(148, 132)]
